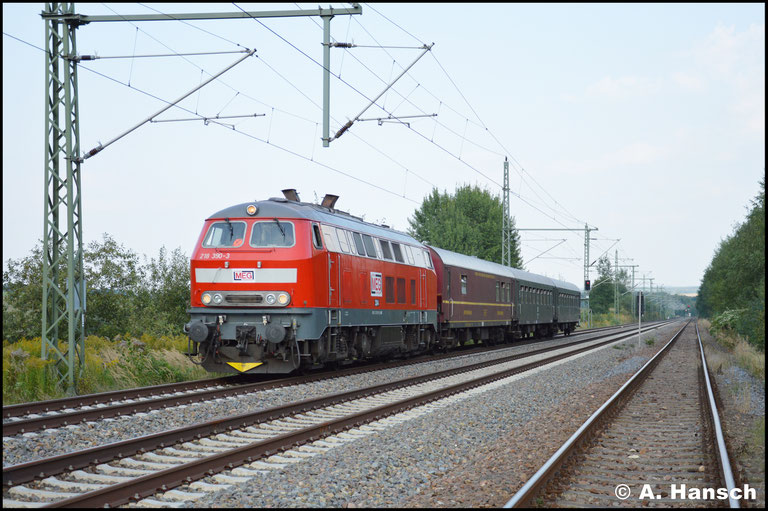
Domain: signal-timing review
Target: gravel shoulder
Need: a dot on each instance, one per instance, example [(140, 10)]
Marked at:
[(741, 399)]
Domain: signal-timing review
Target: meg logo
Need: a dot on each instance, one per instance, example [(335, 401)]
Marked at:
[(376, 285), (240, 275)]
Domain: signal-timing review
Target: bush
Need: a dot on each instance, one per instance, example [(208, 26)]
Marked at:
[(122, 295), (109, 365)]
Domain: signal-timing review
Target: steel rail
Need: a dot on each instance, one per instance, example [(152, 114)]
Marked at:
[(722, 451), (22, 409), (25, 472), (77, 416), (535, 484), (37, 407), (164, 480)]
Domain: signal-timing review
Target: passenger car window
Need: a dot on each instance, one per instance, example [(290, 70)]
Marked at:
[(463, 284), (272, 234), (225, 234)]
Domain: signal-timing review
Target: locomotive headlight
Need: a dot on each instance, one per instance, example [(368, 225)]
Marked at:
[(270, 298), (283, 298), (251, 209), (217, 298), (206, 298)]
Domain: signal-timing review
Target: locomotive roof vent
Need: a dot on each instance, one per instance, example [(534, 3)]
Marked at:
[(329, 200), (291, 194)]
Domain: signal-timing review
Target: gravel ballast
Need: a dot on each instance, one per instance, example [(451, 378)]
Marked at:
[(41, 444), (474, 452)]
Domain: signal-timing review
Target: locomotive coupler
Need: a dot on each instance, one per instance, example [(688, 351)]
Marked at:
[(244, 335)]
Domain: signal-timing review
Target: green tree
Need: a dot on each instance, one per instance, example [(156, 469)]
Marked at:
[(22, 296), (165, 291), (122, 296), (734, 281), (601, 293), (468, 222), (113, 278)]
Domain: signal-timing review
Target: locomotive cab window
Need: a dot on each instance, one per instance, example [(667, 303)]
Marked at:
[(272, 234), (225, 234), (317, 240)]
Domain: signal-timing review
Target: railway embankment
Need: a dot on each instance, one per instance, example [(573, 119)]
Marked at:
[(740, 380)]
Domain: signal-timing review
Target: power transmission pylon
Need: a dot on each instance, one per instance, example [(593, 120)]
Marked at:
[(63, 276), (506, 226), (63, 279)]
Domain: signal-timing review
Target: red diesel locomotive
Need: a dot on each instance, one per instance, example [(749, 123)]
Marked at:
[(282, 284)]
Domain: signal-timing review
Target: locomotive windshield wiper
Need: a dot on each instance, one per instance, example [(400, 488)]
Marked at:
[(282, 231), (231, 231)]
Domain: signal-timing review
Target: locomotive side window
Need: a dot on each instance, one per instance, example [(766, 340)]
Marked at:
[(343, 242), (398, 254), (389, 289), (386, 252), (369, 248), (377, 246), (358, 243), (427, 259), (225, 234), (329, 236), (272, 234), (408, 254)]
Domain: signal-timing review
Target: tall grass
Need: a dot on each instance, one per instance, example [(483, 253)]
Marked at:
[(745, 355), (108, 365)]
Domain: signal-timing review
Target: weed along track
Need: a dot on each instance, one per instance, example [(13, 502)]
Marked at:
[(655, 442), (229, 449)]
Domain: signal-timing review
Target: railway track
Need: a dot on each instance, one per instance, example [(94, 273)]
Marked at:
[(117, 473), (30, 417), (656, 442)]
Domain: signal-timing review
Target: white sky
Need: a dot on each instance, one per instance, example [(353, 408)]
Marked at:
[(644, 120)]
